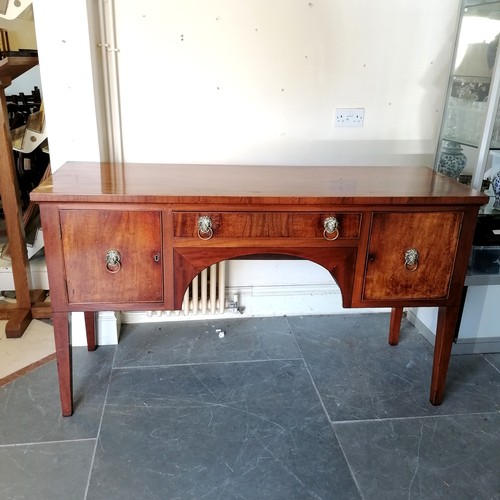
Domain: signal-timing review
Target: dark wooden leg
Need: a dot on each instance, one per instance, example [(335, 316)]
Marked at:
[(20, 319), (445, 333), (9, 194), (90, 330), (18, 322), (60, 321), (395, 326)]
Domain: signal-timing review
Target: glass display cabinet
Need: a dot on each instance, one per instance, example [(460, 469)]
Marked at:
[(470, 131)]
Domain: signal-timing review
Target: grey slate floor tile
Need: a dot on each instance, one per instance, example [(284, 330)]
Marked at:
[(434, 458), (46, 471), (317, 407), (233, 430), (30, 407), (197, 342), (360, 376), (494, 359)]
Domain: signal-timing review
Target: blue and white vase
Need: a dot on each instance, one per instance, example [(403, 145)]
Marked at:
[(451, 160), (495, 184)]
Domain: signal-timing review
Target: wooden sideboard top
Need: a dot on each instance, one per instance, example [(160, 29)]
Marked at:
[(244, 184), (12, 67)]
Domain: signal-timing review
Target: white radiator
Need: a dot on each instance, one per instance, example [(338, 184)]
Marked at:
[(204, 296), (206, 293)]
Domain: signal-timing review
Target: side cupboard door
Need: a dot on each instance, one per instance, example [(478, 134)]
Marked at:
[(112, 256), (411, 255)]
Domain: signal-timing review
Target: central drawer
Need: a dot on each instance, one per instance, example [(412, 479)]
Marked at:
[(266, 224)]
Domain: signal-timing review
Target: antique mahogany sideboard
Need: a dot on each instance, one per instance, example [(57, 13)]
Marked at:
[(133, 236)]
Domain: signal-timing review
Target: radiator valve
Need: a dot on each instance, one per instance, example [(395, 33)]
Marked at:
[(233, 304)]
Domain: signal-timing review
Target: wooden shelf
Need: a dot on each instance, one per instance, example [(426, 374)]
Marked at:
[(12, 67), (19, 315)]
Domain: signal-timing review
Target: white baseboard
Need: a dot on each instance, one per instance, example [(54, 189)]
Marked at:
[(461, 346), (263, 301), (107, 328)]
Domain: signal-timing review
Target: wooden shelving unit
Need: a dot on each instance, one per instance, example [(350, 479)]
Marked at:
[(19, 315)]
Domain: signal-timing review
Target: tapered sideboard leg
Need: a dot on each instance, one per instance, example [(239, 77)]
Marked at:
[(64, 361), (90, 329), (395, 326), (445, 334)]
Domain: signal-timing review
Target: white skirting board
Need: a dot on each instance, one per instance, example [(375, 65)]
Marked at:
[(107, 328), (475, 345)]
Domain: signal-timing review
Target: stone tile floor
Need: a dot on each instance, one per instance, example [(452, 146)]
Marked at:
[(316, 407)]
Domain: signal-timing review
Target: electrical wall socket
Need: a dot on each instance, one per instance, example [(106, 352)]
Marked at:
[(349, 117)]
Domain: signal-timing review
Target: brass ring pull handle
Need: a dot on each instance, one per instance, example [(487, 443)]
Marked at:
[(411, 259), (205, 231), (113, 261), (331, 228)]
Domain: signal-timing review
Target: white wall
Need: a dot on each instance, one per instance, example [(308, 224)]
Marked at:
[(21, 32), (257, 82), (25, 83)]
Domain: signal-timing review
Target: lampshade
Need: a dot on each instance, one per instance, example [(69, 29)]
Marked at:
[(474, 62)]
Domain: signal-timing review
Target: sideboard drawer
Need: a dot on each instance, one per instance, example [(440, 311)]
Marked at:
[(411, 255), (267, 225), (112, 256)]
